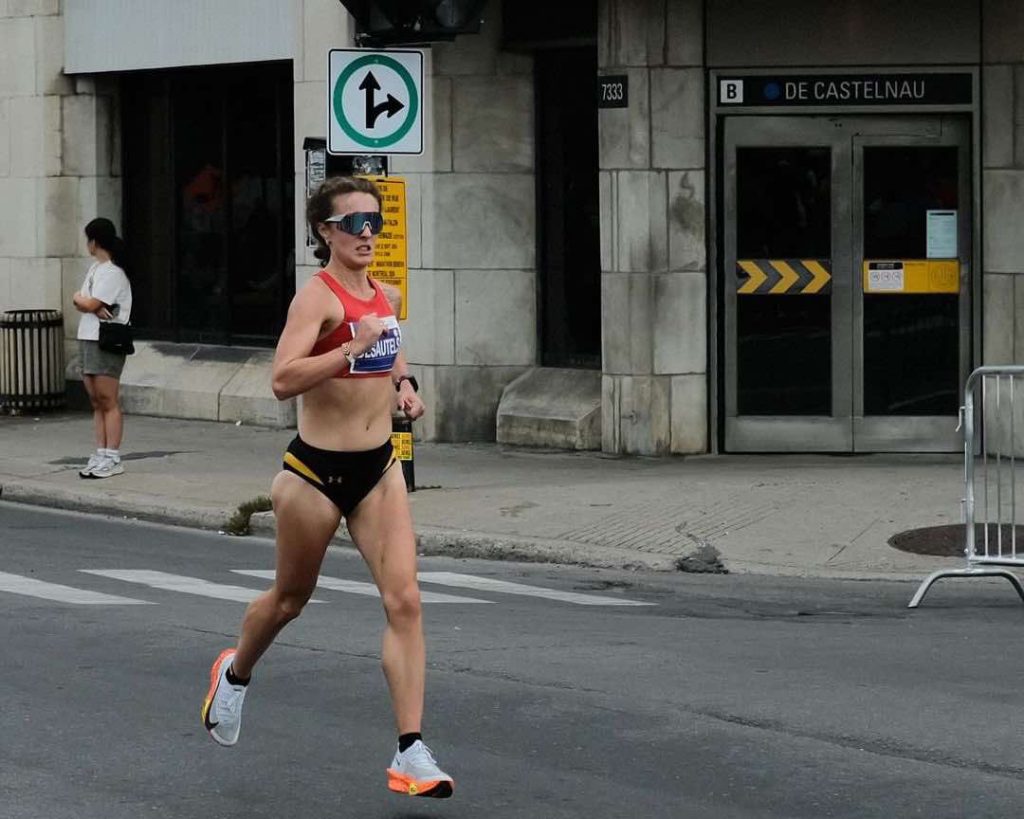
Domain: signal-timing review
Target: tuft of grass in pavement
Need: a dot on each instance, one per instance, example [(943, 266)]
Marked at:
[(238, 523), (705, 560)]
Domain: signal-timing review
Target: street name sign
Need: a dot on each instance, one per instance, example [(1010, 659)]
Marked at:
[(847, 90), (374, 102)]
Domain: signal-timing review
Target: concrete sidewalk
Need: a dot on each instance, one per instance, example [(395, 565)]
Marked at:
[(794, 515)]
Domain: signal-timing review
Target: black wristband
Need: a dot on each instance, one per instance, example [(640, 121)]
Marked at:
[(411, 379)]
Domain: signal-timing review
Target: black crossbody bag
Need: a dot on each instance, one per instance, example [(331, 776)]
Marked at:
[(116, 338)]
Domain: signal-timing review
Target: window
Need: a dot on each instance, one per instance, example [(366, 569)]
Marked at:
[(209, 201)]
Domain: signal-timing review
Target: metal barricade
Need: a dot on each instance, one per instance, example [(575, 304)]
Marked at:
[(31, 360), (989, 508)]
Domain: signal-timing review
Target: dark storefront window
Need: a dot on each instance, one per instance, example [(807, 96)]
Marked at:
[(209, 201)]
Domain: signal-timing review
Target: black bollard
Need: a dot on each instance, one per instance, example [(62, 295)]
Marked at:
[(401, 440)]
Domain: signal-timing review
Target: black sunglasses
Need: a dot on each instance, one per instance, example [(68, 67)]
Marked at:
[(355, 222)]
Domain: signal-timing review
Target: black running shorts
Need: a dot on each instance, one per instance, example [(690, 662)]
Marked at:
[(345, 478)]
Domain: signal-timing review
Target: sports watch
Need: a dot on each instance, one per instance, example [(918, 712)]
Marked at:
[(411, 379)]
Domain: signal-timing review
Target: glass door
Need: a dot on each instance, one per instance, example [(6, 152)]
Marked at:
[(788, 340), (912, 220), (846, 282)]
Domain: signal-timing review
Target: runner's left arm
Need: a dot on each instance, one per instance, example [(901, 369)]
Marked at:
[(409, 402)]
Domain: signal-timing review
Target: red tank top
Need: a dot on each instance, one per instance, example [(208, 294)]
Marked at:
[(379, 360)]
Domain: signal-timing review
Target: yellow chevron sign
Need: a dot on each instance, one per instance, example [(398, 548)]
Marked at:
[(778, 277)]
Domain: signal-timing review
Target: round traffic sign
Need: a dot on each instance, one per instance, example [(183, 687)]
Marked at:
[(369, 84)]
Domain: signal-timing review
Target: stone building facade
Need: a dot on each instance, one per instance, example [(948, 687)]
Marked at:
[(476, 275)]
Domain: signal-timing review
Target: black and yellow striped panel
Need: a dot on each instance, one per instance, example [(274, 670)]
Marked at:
[(783, 277)]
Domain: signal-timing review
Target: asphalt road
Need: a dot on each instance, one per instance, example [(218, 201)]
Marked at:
[(735, 696)]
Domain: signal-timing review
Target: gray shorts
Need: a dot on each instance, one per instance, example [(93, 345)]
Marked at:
[(99, 362)]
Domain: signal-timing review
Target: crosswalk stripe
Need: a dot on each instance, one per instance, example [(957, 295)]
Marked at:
[(367, 589), (468, 581), (181, 583), (64, 594)]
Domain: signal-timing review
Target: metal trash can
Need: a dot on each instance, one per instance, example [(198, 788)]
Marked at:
[(31, 361)]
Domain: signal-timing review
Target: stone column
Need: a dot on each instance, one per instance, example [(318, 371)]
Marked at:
[(472, 323), (653, 254), (59, 162), (1003, 183), (1003, 201)]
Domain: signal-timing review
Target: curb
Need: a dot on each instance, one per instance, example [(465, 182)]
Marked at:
[(437, 542), (430, 541), (146, 507)]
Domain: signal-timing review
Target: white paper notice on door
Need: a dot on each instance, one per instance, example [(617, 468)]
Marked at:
[(941, 242)]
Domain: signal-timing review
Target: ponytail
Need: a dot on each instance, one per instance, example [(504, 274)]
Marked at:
[(118, 252), (104, 234)]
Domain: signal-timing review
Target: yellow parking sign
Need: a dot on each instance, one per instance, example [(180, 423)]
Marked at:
[(391, 259)]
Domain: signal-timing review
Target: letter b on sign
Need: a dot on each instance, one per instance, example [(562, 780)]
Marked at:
[(730, 92)]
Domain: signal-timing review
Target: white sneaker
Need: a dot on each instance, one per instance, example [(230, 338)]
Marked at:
[(94, 460), (414, 772), (222, 709), (107, 468)]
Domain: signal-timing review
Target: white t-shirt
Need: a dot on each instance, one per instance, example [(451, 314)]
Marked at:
[(108, 283)]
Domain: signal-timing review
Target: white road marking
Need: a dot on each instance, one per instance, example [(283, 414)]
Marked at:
[(468, 581), (181, 583), (63, 594), (367, 589)]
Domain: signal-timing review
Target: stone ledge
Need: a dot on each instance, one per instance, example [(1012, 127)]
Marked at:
[(201, 382), (550, 407)]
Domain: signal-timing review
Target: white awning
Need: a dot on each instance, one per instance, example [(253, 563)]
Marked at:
[(126, 35)]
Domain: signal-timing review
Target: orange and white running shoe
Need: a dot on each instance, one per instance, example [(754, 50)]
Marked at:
[(222, 708), (414, 772)]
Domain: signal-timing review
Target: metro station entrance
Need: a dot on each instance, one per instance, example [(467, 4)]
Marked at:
[(846, 282)]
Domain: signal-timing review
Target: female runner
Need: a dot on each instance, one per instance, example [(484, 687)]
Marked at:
[(341, 351)]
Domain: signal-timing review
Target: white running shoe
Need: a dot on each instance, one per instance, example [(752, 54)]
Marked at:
[(107, 468), (94, 460), (414, 772), (222, 709)]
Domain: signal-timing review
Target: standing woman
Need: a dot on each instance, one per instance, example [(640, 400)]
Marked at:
[(341, 351), (106, 295)]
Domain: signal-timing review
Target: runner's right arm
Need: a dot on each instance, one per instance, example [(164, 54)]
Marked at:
[(295, 371)]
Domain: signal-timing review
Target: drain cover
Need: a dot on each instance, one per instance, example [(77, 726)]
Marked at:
[(949, 541)]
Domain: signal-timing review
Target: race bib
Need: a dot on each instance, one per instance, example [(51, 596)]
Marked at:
[(380, 358)]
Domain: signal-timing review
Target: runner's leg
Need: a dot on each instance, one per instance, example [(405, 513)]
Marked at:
[(306, 522), (381, 527)]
